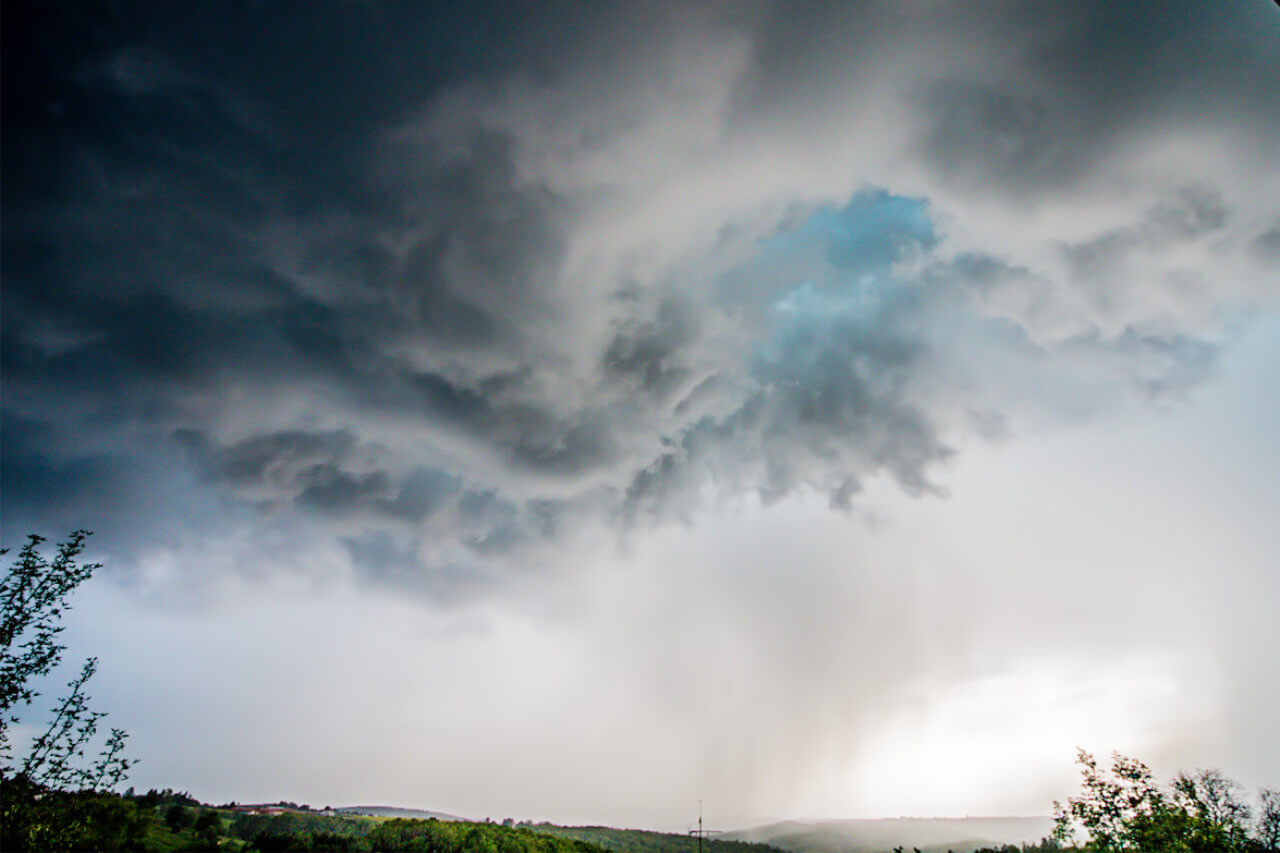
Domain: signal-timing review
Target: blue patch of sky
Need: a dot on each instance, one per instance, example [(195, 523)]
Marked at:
[(842, 261)]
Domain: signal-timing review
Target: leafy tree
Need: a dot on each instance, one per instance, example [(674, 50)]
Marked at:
[(1213, 807), (52, 798), (333, 841), (36, 818), (208, 820), (1126, 810), (34, 595), (1267, 829), (1109, 805), (178, 818)]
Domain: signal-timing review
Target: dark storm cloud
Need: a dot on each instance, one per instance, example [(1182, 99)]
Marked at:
[(1081, 79), (986, 134), (355, 263), (326, 472), (35, 477), (305, 466)]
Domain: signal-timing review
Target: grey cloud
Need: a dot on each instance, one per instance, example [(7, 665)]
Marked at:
[(480, 252), (1195, 211), (1079, 80), (327, 472), (422, 492), (984, 135), (1158, 366), (1020, 319), (329, 488), (1102, 257), (302, 467), (278, 456), (648, 353), (39, 474), (383, 562), (824, 405), (1267, 244), (413, 321), (1192, 213), (1113, 268)]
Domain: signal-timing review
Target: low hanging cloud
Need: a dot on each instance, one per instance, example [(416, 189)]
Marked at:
[(711, 253)]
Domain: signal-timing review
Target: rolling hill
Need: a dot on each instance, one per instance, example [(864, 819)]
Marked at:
[(871, 836)]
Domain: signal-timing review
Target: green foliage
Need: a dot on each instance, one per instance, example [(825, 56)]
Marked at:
[(250, 826), (167, 797), (54, 795), (34, 595), (302, 831), (1125, 809), (434, 836), (1267, 830), (37, 818), (178, 818), (209, 819)]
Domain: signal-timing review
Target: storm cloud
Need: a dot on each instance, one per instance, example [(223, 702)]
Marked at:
[(483, 270)]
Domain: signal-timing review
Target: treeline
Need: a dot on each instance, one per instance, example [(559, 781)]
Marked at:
[(34, 818), (1046, 845), (644, 841)]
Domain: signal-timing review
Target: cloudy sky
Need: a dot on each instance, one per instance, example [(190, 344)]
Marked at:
[(577, 410)]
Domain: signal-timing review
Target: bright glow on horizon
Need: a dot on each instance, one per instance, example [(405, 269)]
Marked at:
[(962, 749)]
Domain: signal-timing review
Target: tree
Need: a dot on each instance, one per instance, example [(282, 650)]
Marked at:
[(1126, 809), (1267, 829), (34, 596), (1110, 805), (1214, 806), (41, 820), (178, 818), (208, 827)]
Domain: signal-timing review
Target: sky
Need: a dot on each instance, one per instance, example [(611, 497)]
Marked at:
[(575, 411)]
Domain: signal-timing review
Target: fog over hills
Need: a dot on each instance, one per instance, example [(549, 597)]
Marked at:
[(856, 836), (806, 836)]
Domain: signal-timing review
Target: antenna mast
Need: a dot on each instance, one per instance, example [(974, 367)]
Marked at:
[(701, 833)]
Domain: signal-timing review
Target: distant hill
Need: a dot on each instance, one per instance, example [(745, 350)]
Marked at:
[(396, 811), (646, 841), (933, 835)]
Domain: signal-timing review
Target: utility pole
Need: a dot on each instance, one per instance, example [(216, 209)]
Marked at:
[(701, 833)]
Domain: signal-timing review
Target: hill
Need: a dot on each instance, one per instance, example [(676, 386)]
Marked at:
[(395, 811), (872, 836), (646, 841)]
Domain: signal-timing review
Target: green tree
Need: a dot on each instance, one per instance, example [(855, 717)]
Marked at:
[(1125, 809), (209, 820), (53, 791), (1109, 804), (178, 818), (34, 596), (35, 818), (1214, 808), (1267, 830)]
